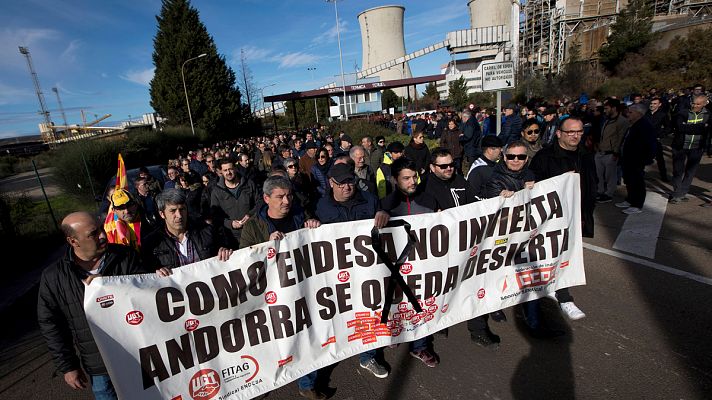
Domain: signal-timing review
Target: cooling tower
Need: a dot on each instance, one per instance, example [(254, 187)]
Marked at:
[(489, 13), (382, 40)]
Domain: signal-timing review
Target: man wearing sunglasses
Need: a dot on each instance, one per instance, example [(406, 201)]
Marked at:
[(447, 187), (531, 132)]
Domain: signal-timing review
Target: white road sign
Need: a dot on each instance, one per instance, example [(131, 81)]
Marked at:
[(498, 76)]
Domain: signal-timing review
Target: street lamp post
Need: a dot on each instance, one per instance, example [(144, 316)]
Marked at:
[(316, 111), (261, 90), (341, 60), (185, 90)]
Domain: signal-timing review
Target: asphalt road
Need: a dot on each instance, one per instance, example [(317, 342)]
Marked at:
[(26, 182), (646, 334)]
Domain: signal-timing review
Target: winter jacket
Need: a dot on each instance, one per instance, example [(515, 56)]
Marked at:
[(375, 157), (451, 193), (479, 174), (511, 129), (692, 130), (419, 154), (398, 204), (366, 179), (450, 139), (660, 121), (225, 207), (258, 228), (320, 178), (383, 177), (362, 205), (60, 308), (505, 179), (471, 138), (638, 148), (554, 160), (612, 134), (160, 248)]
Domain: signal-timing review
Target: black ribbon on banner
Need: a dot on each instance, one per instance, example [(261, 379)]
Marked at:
[(396, 277)]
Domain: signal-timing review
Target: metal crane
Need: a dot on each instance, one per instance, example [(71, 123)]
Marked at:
[(38, 90)]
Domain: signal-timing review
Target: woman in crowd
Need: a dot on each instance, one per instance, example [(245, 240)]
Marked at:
[(418, 152), (320, 170), (450, 140), (531, 132)]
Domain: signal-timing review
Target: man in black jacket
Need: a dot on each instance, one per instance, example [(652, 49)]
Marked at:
[(567, 155), (470, 139), (692, 138), (658, 115), (481, 170), (637, 151), (231, 200), (178, 243), (448, 188), (60, 311)]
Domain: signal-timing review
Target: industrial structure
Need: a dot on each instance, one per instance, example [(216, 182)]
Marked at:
[(47, 132), (551, 28)]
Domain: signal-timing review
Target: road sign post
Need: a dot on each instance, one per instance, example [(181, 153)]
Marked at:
[(498, 76)]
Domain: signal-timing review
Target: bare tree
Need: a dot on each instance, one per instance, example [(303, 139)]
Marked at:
[(247, 84)]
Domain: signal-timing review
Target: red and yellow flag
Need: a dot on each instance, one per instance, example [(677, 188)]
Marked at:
[(117, 230)]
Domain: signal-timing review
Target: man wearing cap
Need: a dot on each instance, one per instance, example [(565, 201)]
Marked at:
[(345, 143), (512, 125), (481, 171), (309, 158), (346, 203), (230, 201), (393, 152), (125, 223), (60, 311)]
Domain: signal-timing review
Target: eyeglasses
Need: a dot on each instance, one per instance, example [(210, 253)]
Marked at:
[(291, 166), (520, 157), (573, 133), (445, 166), (532, 132), (342, 185), (323, 157), (381, 141)]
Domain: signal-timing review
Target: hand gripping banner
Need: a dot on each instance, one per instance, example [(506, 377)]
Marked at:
[(281, 309)]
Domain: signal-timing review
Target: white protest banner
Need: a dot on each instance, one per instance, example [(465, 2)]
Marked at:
[(278, 310)]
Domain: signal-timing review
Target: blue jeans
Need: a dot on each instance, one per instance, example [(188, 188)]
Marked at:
[(102, 387), (418, 345), (531, 313), (308, 381), (367, 356)]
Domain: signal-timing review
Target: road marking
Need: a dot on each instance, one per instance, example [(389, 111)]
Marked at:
[(650, 264), (639, 234)]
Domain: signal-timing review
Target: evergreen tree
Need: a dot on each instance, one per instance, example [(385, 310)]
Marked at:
[(389, 99), (457, 93), (629, 34), (431, 90), (215, 101)]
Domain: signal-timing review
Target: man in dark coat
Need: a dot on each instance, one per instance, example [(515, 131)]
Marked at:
[(231, 200), (568, 155), (637, 151), (658, 115), (481, 170), (470, 139), (512, 127), (691, 139), (60, 310)]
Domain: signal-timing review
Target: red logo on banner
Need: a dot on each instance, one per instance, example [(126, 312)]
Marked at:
[(535, 277), (329, 341), (564, 264), (104, 298), (191, 325), (286, 361), (474, 251), (271, 297), (134, 317), (343, 276), (204, 385), (445, 307), (481, 293), (406, 268), (271, 252)]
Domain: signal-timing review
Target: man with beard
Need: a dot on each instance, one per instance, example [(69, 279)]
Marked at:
[(61, 295), (230, 201), (448, 188), (125, 223)]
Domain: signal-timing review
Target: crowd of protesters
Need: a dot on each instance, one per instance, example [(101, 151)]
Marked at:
[(231, 195)]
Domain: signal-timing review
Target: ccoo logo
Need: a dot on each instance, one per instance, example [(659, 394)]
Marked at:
[(204, 385), (134, 317)]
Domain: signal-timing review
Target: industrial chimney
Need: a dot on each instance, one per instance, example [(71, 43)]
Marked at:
[(382, 40)]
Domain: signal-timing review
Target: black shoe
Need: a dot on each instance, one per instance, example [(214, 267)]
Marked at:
[(545, 333), (487, 340), (499, 316)]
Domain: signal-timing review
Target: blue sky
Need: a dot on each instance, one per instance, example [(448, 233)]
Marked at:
[(98, 53)]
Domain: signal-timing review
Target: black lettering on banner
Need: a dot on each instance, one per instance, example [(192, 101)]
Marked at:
[(281, 324), (166, 311), (232, 337), (492, 223), (367, 258), (470, 265), (257, 331), (343, 296), (482, 260), (519, 257), (497, 258), (396, 277), (553, 237), (555, 205), (389, 247), (322, 298), (152, 366), (439, 240), (414, 283), (371, 294), (301, 314), (302, 263), (200, 299), (419, 247), (432, 283), (323, 256), (283, 270), (503, 219), (342, 252), (180, 354), (206, 343), (451, 279), (258, 278), (516, 219), (565, 241), (536, 248), (462, 229), (230, 290), (538, 203)]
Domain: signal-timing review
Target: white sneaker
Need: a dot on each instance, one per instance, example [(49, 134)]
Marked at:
[(571, 311), (623, 204), (632, 210)]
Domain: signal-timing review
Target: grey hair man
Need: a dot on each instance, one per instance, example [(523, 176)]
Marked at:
[(690, 141), (366, 179)]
